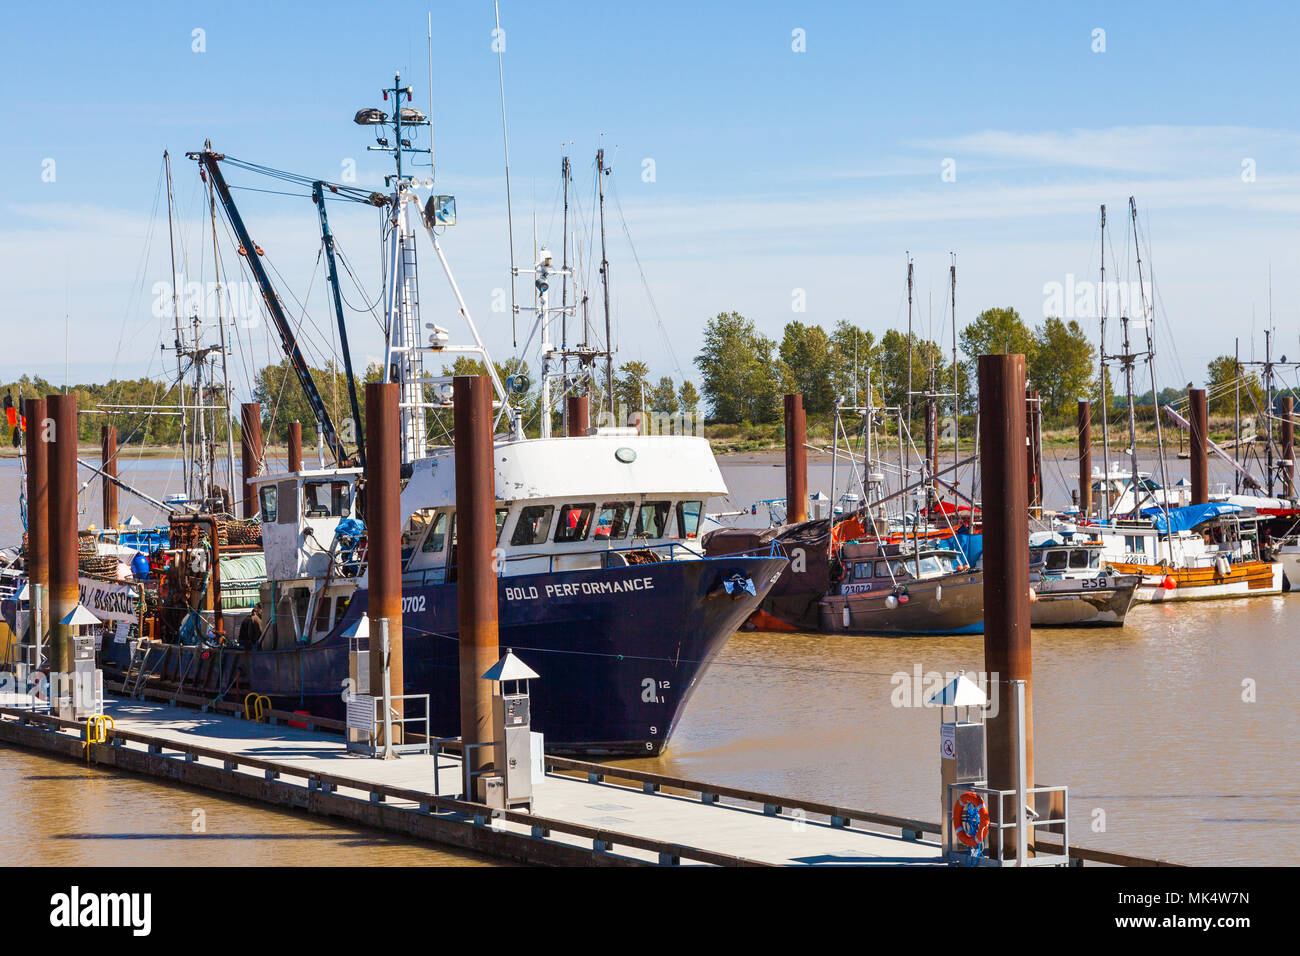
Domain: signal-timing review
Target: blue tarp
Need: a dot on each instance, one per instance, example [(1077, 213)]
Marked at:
[(1184, 519), (971, 545)]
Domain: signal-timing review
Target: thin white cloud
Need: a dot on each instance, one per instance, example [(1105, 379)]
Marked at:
[(1142, 149)]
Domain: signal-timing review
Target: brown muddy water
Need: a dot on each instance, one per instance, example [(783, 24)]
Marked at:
[(1178, 734)]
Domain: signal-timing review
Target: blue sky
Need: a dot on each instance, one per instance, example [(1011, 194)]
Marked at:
[(775, 170)]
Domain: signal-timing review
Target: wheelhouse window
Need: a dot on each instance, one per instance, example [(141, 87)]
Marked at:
[(652, 519), (574, 523), (268, 496), (501, 515), (326, 499), (614, 520), (1056, 561), (322, 615), (688, 518), (1134, 542), (286, 502), (533, 526), (1078, 559), (436, 540)]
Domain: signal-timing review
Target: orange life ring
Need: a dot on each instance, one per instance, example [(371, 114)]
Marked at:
[(960, 824)]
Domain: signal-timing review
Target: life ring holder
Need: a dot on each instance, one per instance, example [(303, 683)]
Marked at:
[(970, 819)]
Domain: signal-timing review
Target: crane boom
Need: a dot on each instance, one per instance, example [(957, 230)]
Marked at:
[(208, 161)]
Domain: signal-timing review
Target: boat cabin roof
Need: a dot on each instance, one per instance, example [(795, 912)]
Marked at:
[(307, 475)]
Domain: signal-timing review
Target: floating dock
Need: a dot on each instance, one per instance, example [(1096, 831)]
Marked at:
[(583, 813)]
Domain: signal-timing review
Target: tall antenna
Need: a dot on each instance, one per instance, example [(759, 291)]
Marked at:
[(956, 391), (601, 172), (902, 478), (505, 142), (564, 287), (432, 172)]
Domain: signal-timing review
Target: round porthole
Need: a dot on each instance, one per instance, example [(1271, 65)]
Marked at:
[(626, 455)]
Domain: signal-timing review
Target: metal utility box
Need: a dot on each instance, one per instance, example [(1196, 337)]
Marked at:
[(87, 680), (961, 760), (511, 715), (492, 792)]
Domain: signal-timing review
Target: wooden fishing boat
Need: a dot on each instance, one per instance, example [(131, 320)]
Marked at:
[(885, 591), (1222, 579), (1073, 587)]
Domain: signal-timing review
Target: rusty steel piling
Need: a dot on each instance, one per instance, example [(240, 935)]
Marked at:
[(1007, 642), (250, 453), (295, 447), (796, 461), (476, 565), (578, 415), (384, 544), (38, 518), (1288, 446), (108, 464), (1085, 457), (1198, 420), (62, 413)]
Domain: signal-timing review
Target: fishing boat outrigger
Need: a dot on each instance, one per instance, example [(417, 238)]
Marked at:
[(602, 586)]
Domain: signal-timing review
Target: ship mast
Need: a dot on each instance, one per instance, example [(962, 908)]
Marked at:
[(1273, 461), (403, 359), (1101, 352), (225, 352), (176, 318), (1148, 320)]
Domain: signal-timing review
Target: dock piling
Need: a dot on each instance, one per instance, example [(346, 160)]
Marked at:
[(384, 550), (38, 523), (578, 416), (62, 438), (250, 452), (1007, 642), (295, 447), (796, 461), (1198, 419), (108, 464), (1085, 457), (1288, 446), (476, 565)]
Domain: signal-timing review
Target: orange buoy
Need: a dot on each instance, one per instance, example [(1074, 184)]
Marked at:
[(1169, 583)]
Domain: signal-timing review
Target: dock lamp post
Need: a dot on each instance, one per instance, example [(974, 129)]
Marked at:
[(512, 729)]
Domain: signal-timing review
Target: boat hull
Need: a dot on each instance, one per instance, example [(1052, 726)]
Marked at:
[(1290, 561), (1247, 579), (619, 651), (952, 604), (1085, 602)]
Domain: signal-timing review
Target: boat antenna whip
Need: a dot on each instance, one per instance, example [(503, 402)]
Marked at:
[(499, 44)]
